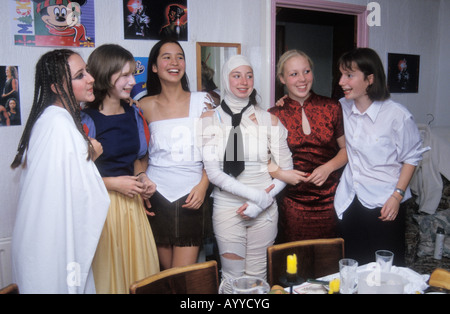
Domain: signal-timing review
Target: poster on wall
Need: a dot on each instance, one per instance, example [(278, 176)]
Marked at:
[(53, 23), (403, 73), (10, 102), (155, 20), (140, 75)]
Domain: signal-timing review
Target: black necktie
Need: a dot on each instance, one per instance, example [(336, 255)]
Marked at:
[(233, 162)]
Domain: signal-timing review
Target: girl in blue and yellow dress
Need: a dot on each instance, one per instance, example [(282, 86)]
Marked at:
[(126, 251)]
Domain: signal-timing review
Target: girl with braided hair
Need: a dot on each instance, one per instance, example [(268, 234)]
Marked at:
[(63, 202)]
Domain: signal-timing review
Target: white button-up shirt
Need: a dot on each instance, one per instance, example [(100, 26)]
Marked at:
[(379, 141)]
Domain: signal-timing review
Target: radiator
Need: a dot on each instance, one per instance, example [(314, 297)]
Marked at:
[(5, 262)]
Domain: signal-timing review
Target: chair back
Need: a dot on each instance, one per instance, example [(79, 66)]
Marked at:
[(11, 289), (201, 278), (315, 258)]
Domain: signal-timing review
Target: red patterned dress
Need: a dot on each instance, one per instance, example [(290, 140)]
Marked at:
[(306, 210)]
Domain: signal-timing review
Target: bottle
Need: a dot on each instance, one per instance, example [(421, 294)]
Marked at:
[(439, 243)]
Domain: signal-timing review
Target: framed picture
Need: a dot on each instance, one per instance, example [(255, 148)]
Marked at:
[(10, 100), (403, 73), (44, 23), (210, 58), (155, 20)]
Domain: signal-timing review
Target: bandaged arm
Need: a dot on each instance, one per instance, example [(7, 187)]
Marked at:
[(227, 183), (210, 133), (281, 157)]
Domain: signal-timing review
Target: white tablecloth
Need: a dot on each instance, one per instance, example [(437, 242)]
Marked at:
[(414, 282)]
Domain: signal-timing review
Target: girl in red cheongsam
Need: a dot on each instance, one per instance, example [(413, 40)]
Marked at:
[(316, 140)]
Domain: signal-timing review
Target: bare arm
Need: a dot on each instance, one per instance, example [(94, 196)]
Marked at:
[(197, 195), (321, 173)]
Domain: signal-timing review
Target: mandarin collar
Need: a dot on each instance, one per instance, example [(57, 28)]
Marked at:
[(295, 104)]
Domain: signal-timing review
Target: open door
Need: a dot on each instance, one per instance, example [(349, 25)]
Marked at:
[(322, 29)]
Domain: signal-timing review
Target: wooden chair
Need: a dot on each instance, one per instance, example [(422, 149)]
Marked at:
[(201, 278), (11, 289), (315, 258)]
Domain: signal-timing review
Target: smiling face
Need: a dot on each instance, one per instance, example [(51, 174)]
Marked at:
[(170, 64), (123, 82), (298, 78), (56, 17), (354, 83), (241, 81)]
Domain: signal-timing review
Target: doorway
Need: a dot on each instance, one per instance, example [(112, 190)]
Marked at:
[(321, 35), (324, 30)]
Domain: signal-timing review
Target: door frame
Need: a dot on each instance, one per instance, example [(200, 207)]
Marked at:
[(362, 29)]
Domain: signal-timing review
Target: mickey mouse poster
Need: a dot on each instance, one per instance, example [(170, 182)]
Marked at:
[(68, 23)]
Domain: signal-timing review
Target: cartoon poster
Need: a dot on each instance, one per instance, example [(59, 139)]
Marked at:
[(147, 19), (53, 23), (140, 75), (10, 102)]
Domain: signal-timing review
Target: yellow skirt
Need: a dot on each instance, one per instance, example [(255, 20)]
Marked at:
[(126, 251)]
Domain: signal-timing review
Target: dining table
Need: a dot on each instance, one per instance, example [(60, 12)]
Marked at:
[(413, 282)]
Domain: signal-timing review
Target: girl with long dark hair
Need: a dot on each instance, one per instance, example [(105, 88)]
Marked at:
[(180, 221)]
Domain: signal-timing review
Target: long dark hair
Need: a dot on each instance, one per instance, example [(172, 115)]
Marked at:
[(52, 69), (368, 62), (153, 82)]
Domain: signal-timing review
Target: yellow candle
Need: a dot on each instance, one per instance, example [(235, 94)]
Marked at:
[(292, 264)]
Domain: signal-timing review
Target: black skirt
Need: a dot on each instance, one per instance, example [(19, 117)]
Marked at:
[(178, 226)]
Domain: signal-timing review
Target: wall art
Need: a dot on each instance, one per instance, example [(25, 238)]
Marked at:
[(403, 73), (10, 101), (53, 23), (155, 20)]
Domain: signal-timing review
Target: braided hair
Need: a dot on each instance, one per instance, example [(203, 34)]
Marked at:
[(52, 70)]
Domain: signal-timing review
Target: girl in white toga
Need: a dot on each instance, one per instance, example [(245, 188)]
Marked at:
[(245, 214), (63, 202)]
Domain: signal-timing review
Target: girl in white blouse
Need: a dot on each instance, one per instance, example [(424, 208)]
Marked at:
[(384, 147), (245, 214)]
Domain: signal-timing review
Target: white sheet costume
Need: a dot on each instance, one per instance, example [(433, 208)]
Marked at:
[(61, 212)]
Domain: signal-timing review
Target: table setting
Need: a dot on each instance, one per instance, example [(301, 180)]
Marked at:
[(379, 277)]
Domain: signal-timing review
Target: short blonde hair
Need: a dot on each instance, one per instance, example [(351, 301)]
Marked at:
[(288, 55)]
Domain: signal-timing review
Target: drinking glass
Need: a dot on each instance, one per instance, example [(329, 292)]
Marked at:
[(348, 276), (244, 285), (384, 260)]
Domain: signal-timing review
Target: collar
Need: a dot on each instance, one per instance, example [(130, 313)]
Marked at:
[(372, 112), (295, 104)]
